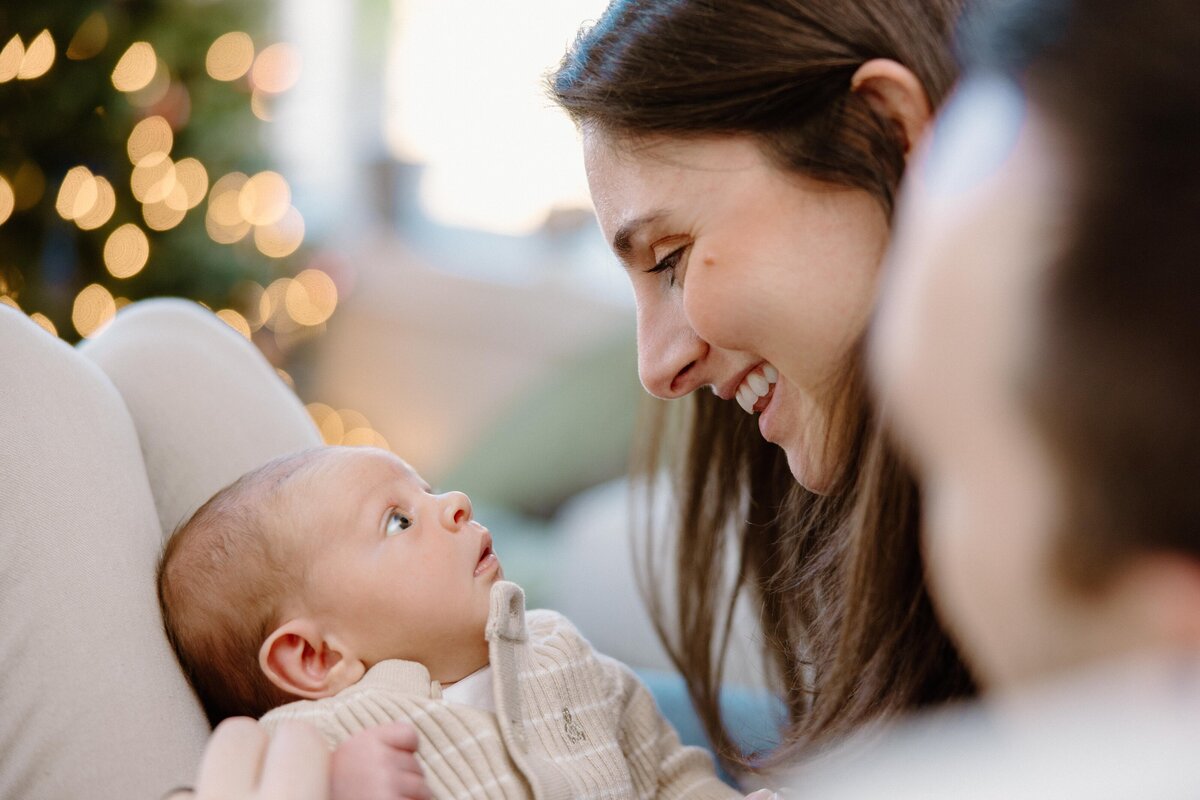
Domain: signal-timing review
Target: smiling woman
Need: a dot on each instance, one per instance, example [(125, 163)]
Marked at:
[(733, 246), (743, 158)]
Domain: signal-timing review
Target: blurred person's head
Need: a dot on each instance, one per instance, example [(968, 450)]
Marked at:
[(742, 158), (298, 577), (1038, 344)]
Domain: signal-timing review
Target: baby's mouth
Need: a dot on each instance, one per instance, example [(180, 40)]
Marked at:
[(487, 556)]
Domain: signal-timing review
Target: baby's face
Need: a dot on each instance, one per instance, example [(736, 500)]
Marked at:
[(395, 570)]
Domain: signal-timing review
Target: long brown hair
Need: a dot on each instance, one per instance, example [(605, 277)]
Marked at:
[(850, 632)]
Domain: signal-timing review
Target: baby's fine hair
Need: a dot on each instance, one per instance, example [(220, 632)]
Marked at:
[(221, 582)]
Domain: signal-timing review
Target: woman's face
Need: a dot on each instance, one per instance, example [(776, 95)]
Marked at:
[(749, 280)]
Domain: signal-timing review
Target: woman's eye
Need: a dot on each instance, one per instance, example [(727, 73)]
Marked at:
[(668, 264), (397, 522)]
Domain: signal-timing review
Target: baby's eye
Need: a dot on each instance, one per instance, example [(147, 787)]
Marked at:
[(396, 522)]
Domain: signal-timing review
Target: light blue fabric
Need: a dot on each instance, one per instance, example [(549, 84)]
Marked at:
[(753, 716)]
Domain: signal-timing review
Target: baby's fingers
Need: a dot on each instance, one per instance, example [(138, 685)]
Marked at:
[(411, 786), (399, 735)]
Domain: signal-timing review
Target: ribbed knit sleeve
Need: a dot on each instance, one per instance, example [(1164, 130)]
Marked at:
[(661, 766)]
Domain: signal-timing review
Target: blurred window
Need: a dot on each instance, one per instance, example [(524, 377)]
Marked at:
[(465, 99)]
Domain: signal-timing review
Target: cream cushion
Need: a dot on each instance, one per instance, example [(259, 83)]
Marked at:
[(168, 405), (206, 404)]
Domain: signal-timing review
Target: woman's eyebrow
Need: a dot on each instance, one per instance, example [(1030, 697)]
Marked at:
[(622, 241)]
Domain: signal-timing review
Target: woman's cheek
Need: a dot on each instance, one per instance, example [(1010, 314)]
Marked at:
[(717, 312)]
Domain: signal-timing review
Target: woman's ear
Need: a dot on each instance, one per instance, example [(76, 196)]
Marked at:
[(895, 93), (300, 660)]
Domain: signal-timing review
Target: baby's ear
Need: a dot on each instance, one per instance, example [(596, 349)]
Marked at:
[(300, 660)]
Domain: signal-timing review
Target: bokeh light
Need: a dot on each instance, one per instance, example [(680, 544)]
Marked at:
[(77, 194), (39, 57), (365, 437), (345, 427), (230, 56), (249, 297), (136, 68), (260, 105), (152, 93), (44, 323), (160, 216), (153, 178), (272, 306), (91, 38), (8, 200), (8, 301), (224, 220), (235, 320), (265, 198), (126, 251), (276, 69), (352, 420), (94, 308), (282, 238), (191, 181), (311, 298), (86, 198), (151, 136), (225, 234), (286, 377), (318, 412), (10, 59), (102, 208)]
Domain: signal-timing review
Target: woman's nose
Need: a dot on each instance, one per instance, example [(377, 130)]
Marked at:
[(455, 509), (670, 354)]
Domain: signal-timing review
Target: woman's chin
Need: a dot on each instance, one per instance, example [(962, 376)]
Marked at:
[(813, 477)]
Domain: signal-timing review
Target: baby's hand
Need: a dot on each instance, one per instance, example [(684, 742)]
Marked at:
[(379, 764)]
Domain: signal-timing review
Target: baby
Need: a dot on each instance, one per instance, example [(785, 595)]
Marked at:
[(334, 587)]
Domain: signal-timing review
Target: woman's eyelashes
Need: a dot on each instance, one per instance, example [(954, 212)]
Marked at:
[(396, 522), (669, 264)]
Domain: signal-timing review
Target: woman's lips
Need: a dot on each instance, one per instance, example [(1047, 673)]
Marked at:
[(765, 409)]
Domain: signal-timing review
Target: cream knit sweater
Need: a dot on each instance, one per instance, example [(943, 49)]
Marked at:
[(569, 722)]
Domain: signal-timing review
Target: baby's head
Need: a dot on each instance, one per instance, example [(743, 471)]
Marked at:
[(294, 580)]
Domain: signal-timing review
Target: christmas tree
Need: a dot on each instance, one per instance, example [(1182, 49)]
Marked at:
[(131, 165)]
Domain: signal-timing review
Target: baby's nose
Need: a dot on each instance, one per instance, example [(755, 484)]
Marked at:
[(456, 510)]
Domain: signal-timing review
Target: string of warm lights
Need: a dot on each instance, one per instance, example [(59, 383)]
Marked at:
[(168, 186)]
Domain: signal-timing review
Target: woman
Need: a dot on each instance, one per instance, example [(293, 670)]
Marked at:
[(743, 158)]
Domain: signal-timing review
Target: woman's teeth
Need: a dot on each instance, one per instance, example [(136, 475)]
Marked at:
[(756, 385)]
